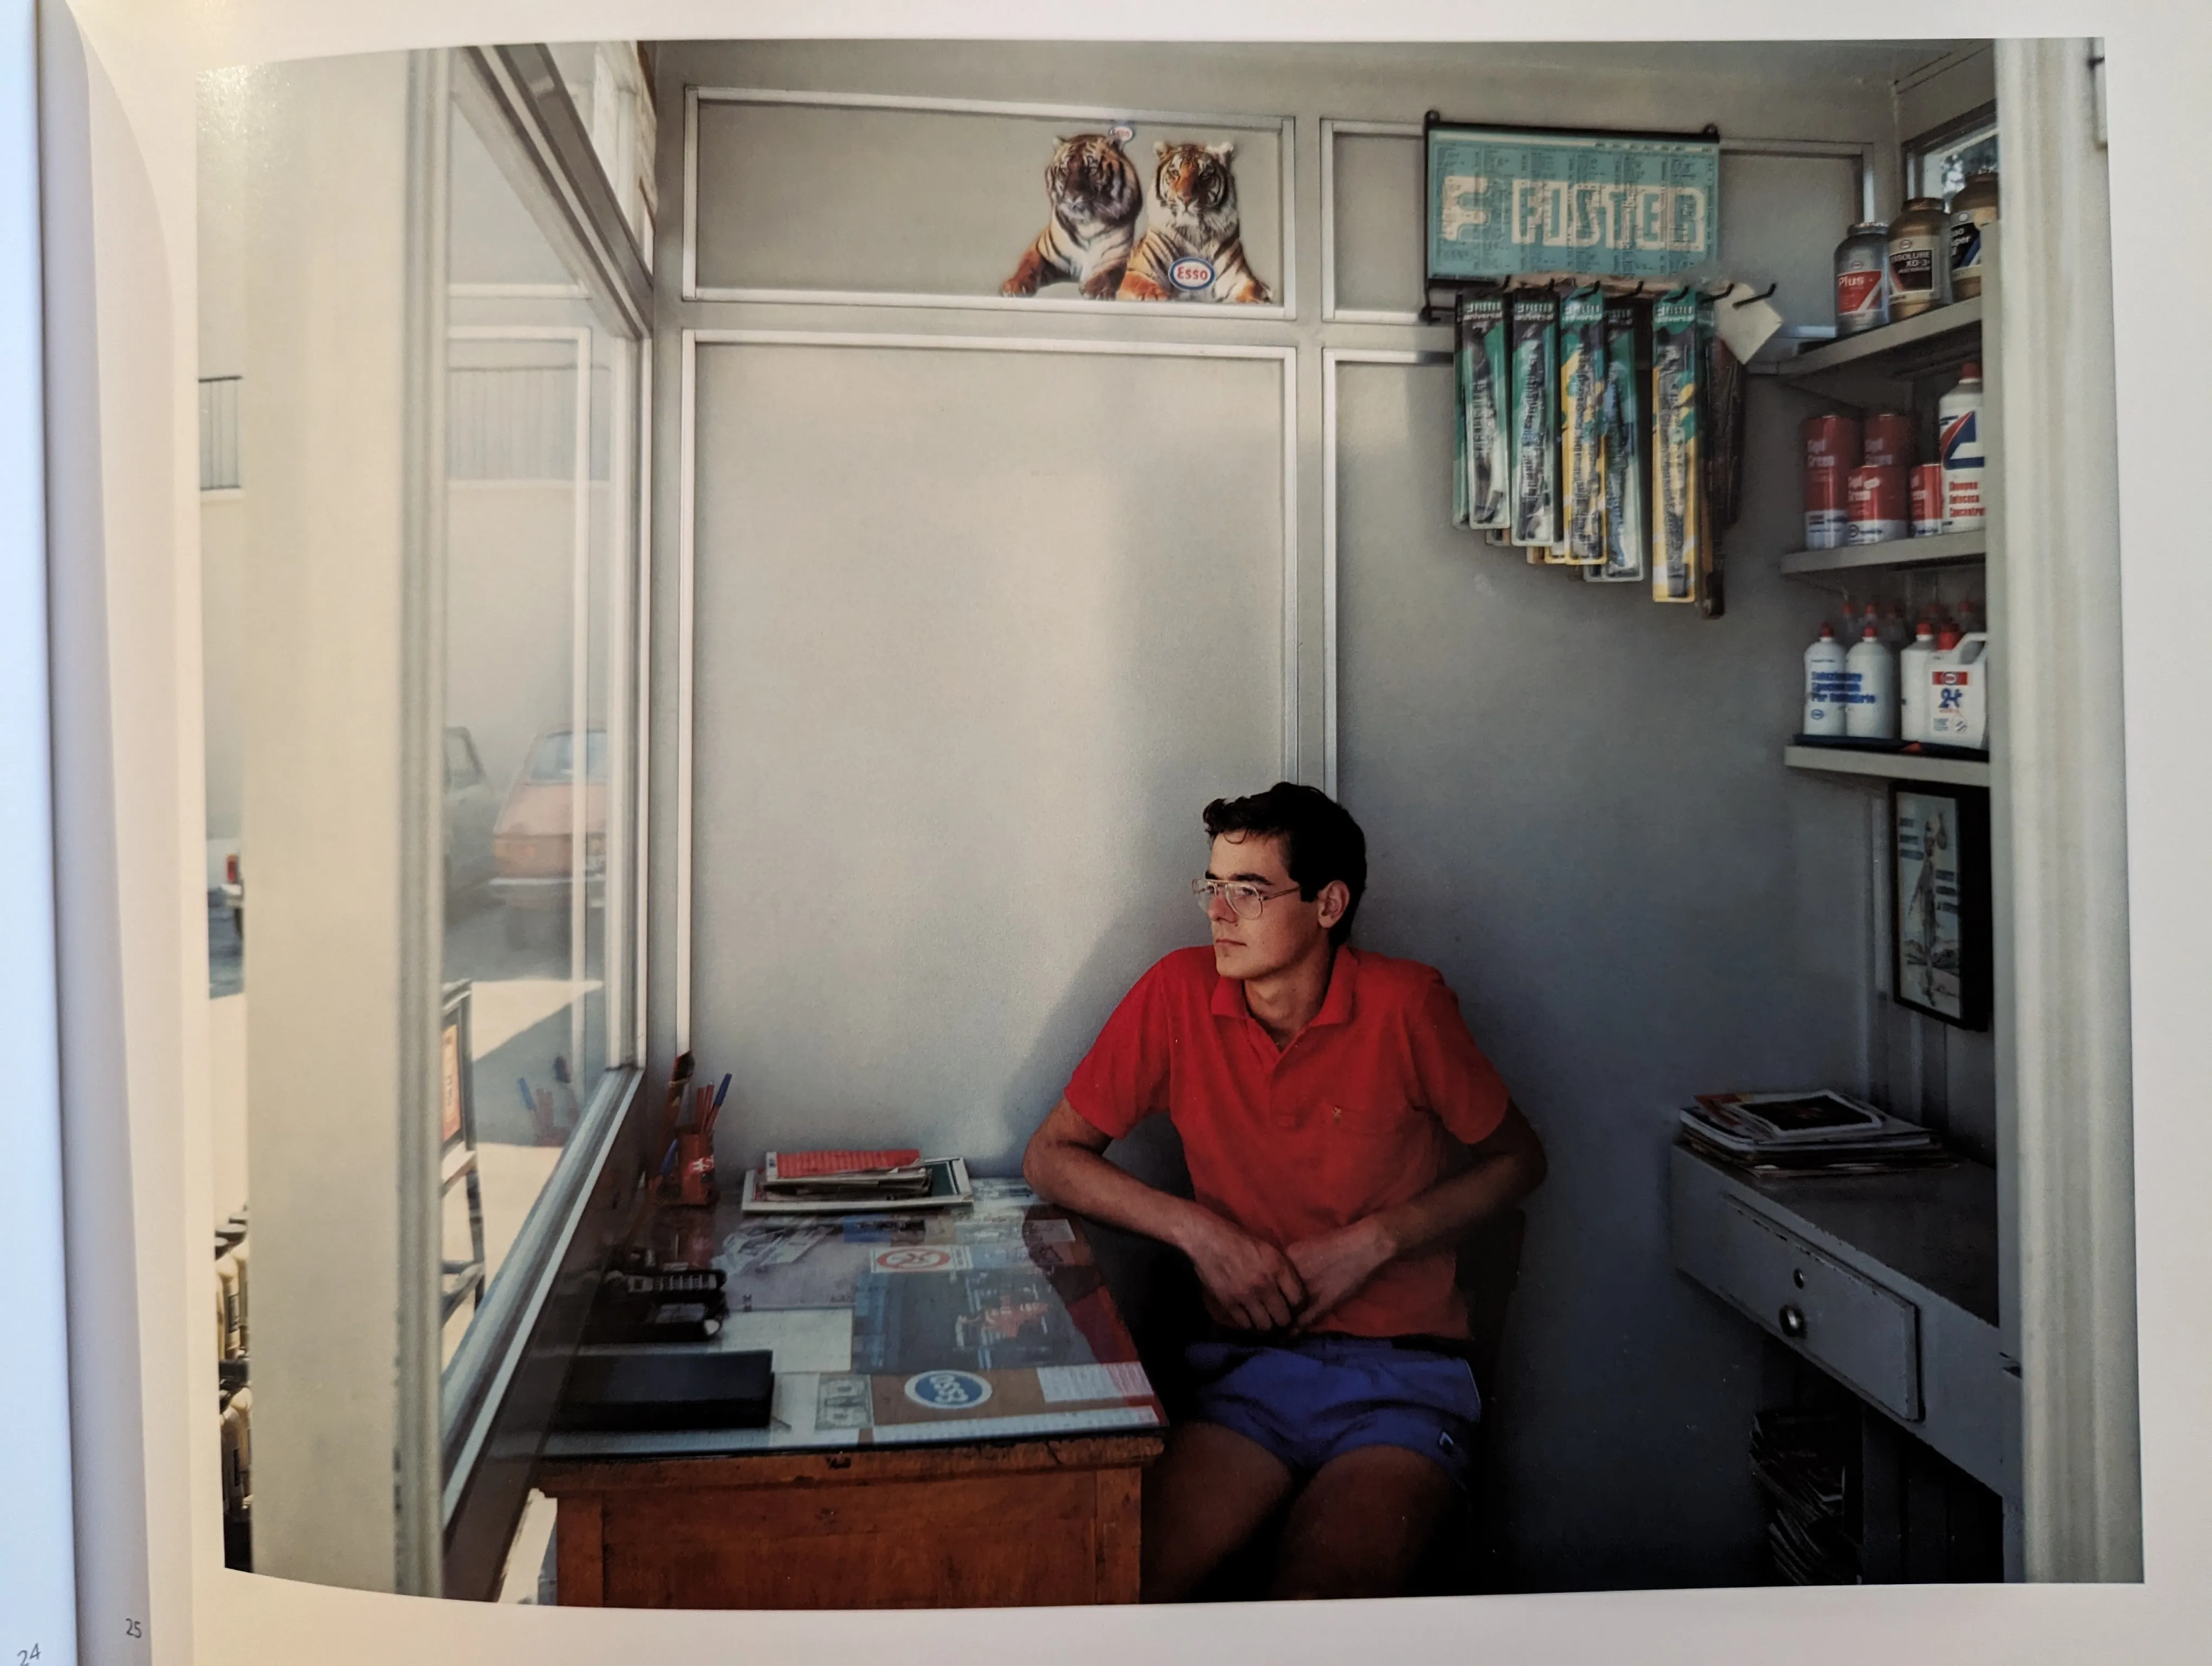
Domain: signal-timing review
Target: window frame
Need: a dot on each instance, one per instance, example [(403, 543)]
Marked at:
[(527, 118)]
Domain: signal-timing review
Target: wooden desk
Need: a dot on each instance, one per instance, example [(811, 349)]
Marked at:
[(960, 1421)]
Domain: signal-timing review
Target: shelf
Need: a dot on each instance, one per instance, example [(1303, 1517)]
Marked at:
[(1902, 554), (1936, 336), (1889, 766)]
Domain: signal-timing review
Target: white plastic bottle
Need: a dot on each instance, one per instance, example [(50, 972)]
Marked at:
[(1913, 684), (1825, 663), (1958, 706), (1959, 427), (1873, 669), (1895, 633)]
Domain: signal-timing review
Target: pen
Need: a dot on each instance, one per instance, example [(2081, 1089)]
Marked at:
[(723, 1091)]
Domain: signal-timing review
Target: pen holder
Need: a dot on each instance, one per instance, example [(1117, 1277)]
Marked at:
[(694, 1169)]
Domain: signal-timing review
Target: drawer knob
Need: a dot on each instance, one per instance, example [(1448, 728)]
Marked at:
[(1793, 1321)]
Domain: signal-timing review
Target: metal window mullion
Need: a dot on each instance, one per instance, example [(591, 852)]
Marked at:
[(580, 697)]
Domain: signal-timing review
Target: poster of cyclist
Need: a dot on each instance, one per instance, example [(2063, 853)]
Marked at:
[(1939, 848)]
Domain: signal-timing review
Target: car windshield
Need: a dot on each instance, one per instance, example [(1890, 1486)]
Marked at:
[(554, 759)]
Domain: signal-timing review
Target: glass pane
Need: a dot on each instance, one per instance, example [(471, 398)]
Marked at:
[(539, 505)]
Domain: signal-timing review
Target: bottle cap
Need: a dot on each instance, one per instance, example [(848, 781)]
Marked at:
[(1869, 635), (1948, 637), (1923, 629), (1827, 633), (1970, 372)]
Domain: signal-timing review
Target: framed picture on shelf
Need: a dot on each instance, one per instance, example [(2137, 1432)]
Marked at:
[(1939, 865)]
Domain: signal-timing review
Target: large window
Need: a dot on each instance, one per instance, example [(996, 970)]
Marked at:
[(541, 426), (422, 370)]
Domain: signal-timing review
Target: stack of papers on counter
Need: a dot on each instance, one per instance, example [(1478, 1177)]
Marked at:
[(848, 1177), (1820, 1131), (933, 1183)]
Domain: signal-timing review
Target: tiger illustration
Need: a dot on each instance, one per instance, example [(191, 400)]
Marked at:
[(1192, 251), (1095, 194)]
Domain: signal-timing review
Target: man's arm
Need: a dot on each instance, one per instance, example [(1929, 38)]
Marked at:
[(1508, 1166), (1253, 1285)]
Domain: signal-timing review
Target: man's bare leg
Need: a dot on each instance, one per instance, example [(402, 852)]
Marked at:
[(1360, 1526), (1210, 1491)]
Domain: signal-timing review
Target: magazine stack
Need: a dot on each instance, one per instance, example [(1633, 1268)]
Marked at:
[(1821, 1131)]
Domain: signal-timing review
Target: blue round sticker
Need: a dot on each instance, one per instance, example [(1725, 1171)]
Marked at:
[(947, 1391), (1191, 272)]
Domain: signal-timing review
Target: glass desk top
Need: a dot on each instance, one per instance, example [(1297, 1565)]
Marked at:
[(987, 1321)]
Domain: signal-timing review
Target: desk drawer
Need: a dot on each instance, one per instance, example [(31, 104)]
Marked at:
[(1844, 1322)]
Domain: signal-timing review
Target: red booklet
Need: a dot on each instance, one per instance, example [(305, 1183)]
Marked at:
[(811, 1164)]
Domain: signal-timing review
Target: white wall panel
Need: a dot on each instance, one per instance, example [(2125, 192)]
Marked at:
[(978, 634), (1573, 812)]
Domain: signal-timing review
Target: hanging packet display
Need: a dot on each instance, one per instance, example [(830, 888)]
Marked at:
[(1535, 319), (1677, 471), (1460, 510), (1479, 493), (1720, 447), (1627, 518), (1582, 427)]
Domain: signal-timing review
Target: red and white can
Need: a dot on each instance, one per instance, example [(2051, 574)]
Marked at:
[(1927, 500), (1891, 441), (1877, 500), (1832, 452)]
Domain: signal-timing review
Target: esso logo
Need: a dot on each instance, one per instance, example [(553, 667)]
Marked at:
[(1191, 272), (947, 1391)]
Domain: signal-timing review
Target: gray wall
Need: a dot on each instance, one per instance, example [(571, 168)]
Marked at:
[(1574, 797)]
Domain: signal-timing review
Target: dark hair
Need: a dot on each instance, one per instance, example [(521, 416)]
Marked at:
[(1321, 842)]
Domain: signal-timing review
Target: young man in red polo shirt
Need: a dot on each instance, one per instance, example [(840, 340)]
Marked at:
[(1316, 1089)]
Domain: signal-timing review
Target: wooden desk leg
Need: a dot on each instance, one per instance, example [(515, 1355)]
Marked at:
[(1120, 1522), (579, 1554)]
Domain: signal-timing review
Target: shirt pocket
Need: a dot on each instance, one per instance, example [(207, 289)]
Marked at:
[(1382, 1119)]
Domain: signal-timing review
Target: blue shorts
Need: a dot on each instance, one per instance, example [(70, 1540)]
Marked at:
[(1319, 1397)]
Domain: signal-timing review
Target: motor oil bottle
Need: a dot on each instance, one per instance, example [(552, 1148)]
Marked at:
[(1872, 670), (1958, 420), (1824, 693), (1912, 683), (1958, 693)]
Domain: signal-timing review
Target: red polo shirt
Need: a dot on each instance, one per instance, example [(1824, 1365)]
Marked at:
[(1349, 1119)]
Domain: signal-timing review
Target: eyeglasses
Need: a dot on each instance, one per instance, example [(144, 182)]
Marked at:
[(1246, 898)]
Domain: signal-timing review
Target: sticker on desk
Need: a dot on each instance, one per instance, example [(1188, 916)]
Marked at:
[(844, 1402), (1089, 1419), (1122, 1380), (922, 1258), (1008, 1190), (1044, 1255), (947, 1391)]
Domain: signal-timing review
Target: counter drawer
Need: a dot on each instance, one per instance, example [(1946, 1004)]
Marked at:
[(1844, 1322)]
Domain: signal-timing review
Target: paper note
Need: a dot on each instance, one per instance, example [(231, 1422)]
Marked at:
[(1125, 1381)]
